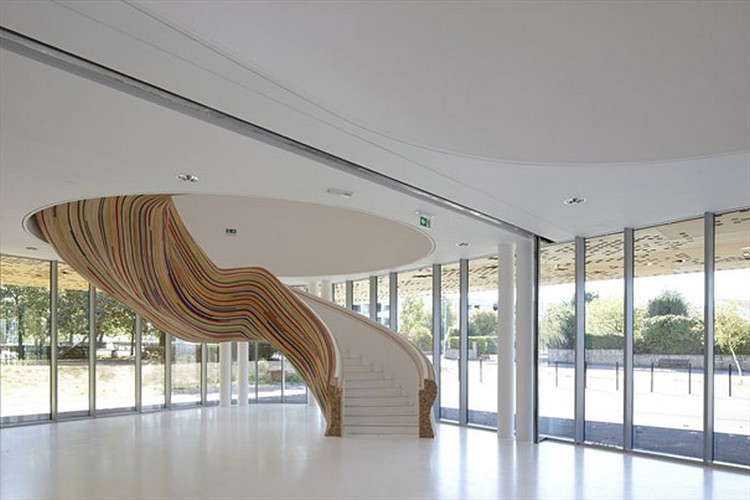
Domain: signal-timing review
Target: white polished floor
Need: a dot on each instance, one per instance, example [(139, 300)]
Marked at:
[(276, 451)]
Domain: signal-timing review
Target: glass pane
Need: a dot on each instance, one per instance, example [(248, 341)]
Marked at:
[(415, 308), (186, 372), (361, 302), (25, 339), (732, 339), (115, 354), (383, 312), (153, 343), (72, 342), (668, 344), (212, 373), (339, 294), (605, 339), (557, 327), (483, 341), (269, 374), (449, 342), (295, 390)]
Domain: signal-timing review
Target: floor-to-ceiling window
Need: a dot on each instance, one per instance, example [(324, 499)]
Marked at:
[(339, 294), (24, 339), (213, 373), (604, 339), (72, 342), (415, 308), (450, 342), (482, 334), (732, 338), (295, 390), (153, 358), (186, 372), (115, 354), (669, 337), (557, 330), (270, 374), (361, 302), (383, 308)]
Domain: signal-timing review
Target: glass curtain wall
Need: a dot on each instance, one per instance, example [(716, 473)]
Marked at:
[(732, 338), (361, 302), (25, 339), (72, 342), (415, 308), (557, 329), (449, 340), (213, 374), (483, 341), (295, 390), (186, 372), (605, 340), (115, 354), (669, 338), (383, 310)]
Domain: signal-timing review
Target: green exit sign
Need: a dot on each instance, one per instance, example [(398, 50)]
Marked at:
[(230, 231), (425, 221)]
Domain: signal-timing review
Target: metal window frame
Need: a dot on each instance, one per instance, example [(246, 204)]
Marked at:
[(580, 345), (437, 320), (629, 323), (373, 302), (167, 370), (463, 358), (709, 266), (536, 245), (393, 301), (349, 291), (138, 332), (92, 349), (53, 302), (204, 374)]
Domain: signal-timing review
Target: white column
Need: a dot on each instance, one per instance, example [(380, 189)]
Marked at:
[(312, 288), (325, 290), (243, 367), (506, 314), (524, 342), (225, 373)]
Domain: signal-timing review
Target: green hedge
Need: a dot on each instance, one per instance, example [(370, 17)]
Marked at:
[(485, 344)]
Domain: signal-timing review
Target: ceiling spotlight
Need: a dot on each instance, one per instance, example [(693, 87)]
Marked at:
[(188, 177), (343, 193), (463, 244), (745, 253), (574, 200), (680, 260), (33, 249)]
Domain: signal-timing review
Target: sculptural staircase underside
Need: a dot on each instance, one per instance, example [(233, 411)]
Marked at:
[(137, 249)]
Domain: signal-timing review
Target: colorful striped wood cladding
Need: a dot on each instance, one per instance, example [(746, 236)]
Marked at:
[(137, 249)]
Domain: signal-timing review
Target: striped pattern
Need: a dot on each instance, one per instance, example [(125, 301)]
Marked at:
[(137, 249)]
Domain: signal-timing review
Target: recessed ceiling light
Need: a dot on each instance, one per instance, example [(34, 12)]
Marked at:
[(188, 177), (343, 193), (33, 249), (463, 244), (680, 260), (574, 200), (745, 253)]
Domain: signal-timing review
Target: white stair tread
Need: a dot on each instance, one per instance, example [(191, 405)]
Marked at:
[(379, 401), (412, 430)]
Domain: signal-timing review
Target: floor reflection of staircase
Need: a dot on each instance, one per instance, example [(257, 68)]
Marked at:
[(374, 404)]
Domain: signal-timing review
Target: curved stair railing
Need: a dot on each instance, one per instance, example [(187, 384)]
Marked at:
[(403, 361), (137, 249)]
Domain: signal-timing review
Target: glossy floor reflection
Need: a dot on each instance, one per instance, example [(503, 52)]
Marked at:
[(280, 452)]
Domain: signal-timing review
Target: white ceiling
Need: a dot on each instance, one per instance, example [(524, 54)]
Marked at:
[(643, 108)]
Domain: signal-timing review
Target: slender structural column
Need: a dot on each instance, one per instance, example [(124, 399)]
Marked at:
[(506, 314), (326, 292), (92, 350), (313, 288), (393, 301), (225, 374), (524, 341), (349, 294), (243, 370), (138, 332)]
